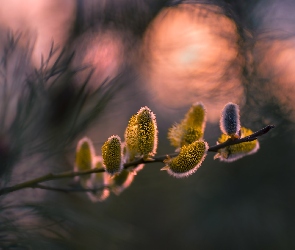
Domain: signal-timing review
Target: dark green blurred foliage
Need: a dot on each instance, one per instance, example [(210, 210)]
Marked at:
[(42, 112), (248, 204)]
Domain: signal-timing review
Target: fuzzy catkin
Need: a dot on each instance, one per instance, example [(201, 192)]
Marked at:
[(112, 155), (188, 161), (230, 120)]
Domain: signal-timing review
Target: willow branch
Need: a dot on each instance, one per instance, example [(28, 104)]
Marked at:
[(48, 177), (35, 183)]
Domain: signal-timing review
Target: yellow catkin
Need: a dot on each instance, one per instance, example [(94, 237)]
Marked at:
[(190, 135), (131, 138), (188, 161), (190, 129), (84, 154), (84, 159), (112, 155), (141, 135), (175, 134), (147, 132), (196, 116)]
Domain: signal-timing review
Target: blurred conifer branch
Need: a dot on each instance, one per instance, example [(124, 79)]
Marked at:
[(47, 103)]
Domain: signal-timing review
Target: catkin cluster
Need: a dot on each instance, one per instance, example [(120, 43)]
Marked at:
[(231, 129), (141, 139)]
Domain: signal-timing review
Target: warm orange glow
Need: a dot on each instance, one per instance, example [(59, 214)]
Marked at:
[(277, 64), (101, 50), (190, 55)]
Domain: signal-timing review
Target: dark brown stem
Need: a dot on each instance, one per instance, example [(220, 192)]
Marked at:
[(248, 138), (48, 177)]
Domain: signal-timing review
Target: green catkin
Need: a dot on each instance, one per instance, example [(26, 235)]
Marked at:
[(84, 154), (147, 132), (131, 145), (190, 135), (84, 159), (112, 155), (141, 135), (190, 129), (196, 116)]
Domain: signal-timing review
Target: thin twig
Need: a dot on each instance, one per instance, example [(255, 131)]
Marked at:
[(48, 177), (35, 183), (68, 190), (251, 137)]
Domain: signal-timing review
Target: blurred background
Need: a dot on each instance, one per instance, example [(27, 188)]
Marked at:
[(76, 68)]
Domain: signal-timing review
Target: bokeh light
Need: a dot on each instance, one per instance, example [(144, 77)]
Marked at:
[(275, 52), (191, 54), (43, 22), (101, 50)]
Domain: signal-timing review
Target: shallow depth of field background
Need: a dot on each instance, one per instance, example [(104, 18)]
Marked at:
[(166, 55)]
